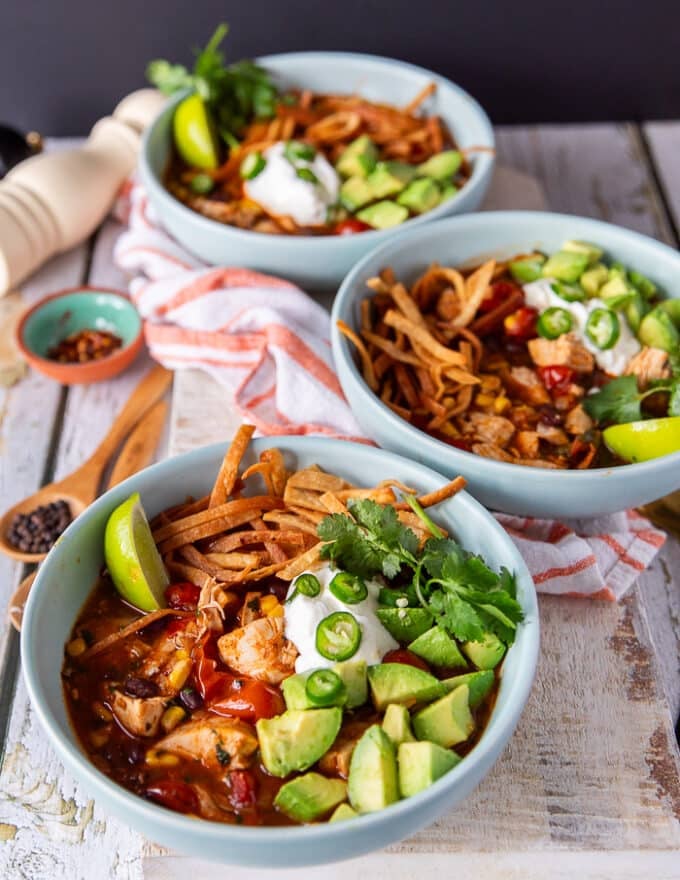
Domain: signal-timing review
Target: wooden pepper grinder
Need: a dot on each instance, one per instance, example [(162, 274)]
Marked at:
[(52, 201)]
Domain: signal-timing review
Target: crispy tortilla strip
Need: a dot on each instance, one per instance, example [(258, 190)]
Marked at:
[(278, 472), (476, 286), (277, 553), (314, 516), (422, 95), (366, 362), (226, 478), (317, 480), (401, 411), (291, 521), (396, 484), (419, 335), (179, 511), (225, 512), (302, 498), (194, 557), (238, 561), (248, 537), (182, 571), (333, 504), (391, 349), (136, 625), (310, 560), (214, 527), (258, 573), (406, 304), (381, 494), (439, 495)]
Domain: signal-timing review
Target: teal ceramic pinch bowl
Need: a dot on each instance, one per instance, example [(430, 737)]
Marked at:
[(54, 318), (66, 578), (321, 261), (470, 240)]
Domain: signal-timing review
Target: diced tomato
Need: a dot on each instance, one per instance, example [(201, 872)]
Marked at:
[(350, 227), (176, 625), (465, 445), (408, 658), (242, 788), (182, 596), (173, 794), (521, 324), (247, 699), (498, 294), (207, 677), (557, 377)]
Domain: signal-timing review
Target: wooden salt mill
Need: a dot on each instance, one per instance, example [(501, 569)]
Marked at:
[(52, 201)]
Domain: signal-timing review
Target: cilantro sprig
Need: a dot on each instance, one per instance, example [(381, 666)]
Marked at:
[(466, 597), (620, 401)]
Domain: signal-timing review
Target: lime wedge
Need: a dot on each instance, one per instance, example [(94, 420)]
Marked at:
[(134, 563), (194, 134), (642, 441)]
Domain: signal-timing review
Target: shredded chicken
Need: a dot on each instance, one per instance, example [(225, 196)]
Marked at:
[(551, 434), (259, 650), (488, 450), (565, 351), (213, 740), (527, 444), (250, 610), (337, 759), (211, 604), (577, 421), (492, 429), (525, 383), (139, 716), (647, 365)]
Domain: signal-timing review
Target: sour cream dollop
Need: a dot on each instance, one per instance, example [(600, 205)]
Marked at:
[(540, 295), (280, 191), (303, 614)]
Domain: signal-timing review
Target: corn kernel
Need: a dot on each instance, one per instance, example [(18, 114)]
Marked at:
[(99, 738), (501, 404), (102, 712), (181, 654), (172, 717), (270, 606), (76, 647), (484, 400), (179, 674), (159, 758)]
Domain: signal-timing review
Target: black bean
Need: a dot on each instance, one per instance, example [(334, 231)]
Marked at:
[(135, 752), (190, 699), (140, 687), (550, 416)]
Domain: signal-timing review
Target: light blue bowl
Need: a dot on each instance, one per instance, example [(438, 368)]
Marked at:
[(66, 578), (321, 261), (511, 488)]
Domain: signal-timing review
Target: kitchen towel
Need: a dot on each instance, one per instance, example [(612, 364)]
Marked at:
[(267, 341)]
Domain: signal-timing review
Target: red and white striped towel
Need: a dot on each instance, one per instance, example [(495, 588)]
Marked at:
[(268, 343)]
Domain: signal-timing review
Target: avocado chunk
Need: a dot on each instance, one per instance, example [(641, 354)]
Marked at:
[(646, 287), (635, 311), (565, 266), (448, 192), (441, 166), (594, 278), (373, 781), (383, 215), (399, 683), (592, 252), (672, 308), (420, 196), (658, 330), (616, 292), (309, 797), (527, 269), (355, 192), (355, 679), (297, 739), (479, 684), (389, 178), (438, 649), (448, 721), (397, 724), (421, 764), (405, 624), (358, 158), (485, 654), (343, 812), (295, 693)]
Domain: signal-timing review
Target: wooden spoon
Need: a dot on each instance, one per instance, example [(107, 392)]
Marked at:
[(135, 455), (80, 488)]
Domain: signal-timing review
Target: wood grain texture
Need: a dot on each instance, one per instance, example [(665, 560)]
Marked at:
[(664, 142)]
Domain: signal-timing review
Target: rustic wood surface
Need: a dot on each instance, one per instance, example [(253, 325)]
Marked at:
[(589, 786)]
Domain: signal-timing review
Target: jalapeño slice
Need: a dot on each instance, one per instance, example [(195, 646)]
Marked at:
[(307, 584), (324, 687), (554, 322), (298, 151), (348, 588), (603, 328), (252, 165), (338, 636)]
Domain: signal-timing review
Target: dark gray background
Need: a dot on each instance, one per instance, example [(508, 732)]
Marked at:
[(65, 63)]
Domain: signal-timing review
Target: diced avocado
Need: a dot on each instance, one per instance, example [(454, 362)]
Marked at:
[(400, 683), (646, 287), (438, 649), (527, 269), (422, 763), (295, 694), (389, 178), (618, 270), (397, 724), (441, 166), (672, 308), (616, 292), (583, 247), (309, 797), (448, 192), (405, 624), (355, 192), (358, 158), (570, 291), (354, 675), (635, 311), (383, 215), (486, 654), (297, 739), (421, 195), (373, 781), (658, 330), (565, 266), (343, 812), (448, 721), (594, 278), (479, 684)]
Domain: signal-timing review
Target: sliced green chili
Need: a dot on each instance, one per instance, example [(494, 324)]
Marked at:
[(348, 588), (338, 636), (297, 151), (603, 328), (554, 322), (324, 688), (570, 292), (306, 584), (252, 165), (307, 174)]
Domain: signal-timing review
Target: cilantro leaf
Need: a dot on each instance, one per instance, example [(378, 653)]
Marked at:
[(618, 401), (457, 616)]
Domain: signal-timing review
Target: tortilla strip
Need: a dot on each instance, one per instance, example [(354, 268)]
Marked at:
[(333, 504), (381, 494), (439, 495), (366, 362), (302, 498), (311, 559), (317, 480), (391, 349), (420, 335), (214, 527), (182, 571), (179, 511), (475, 291), (277, 553), (238, 561), (226, 478), (405, 303), (314, 516), (130, 629), (224, 511), (291, 521), (422, 95), (278, 473), (246, 538)]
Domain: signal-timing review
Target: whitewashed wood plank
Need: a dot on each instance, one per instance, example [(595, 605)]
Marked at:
[(664, 142)]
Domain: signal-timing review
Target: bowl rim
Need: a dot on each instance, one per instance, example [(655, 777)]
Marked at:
[(86, 290), (482, 167), (347, 295), (494, 739)]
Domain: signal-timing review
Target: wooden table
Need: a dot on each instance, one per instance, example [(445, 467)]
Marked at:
[(590, 785)]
